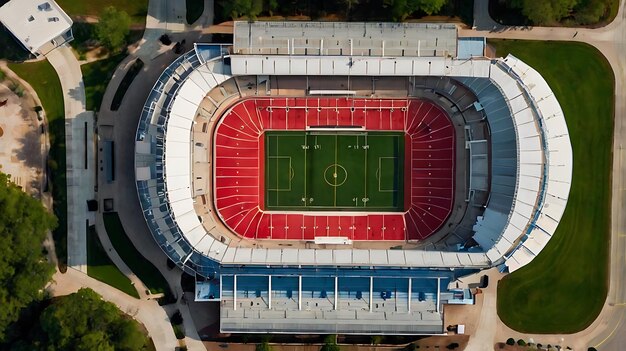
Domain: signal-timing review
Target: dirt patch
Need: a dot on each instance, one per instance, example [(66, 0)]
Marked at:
[(21, 143)]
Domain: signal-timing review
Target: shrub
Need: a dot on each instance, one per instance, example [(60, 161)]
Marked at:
[(376, 339), (521, 342), (452, 346), (510, 341), (178, 331), (264, 346), (112, 29), (177, 318)]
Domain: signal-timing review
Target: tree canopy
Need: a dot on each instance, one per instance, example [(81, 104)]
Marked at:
[(112, 28), (551, 11), (398, 10), (83, 321), (23, 269), (402, 9)]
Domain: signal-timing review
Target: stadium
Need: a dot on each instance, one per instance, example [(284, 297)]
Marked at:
[(342, 177)]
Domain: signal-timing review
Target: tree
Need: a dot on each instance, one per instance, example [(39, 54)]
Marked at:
[(242, 8), (23, 269), (83, 321), (349, 4), (544, 12), (590, 11), (264, 346), (330, 347), (376, 339), (510, 341), (521, 342), (330, 343), (112, 28), (402, 9)]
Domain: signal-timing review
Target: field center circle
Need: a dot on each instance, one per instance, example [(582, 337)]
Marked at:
[(335, 175)]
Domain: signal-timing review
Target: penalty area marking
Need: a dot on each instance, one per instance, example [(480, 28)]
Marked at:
[(289, 170), (379, 175)]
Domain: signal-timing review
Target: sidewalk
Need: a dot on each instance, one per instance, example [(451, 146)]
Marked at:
[(149, 313), (80, 155)]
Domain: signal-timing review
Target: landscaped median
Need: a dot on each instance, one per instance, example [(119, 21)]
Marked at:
[(564, 288), (144, 269), (100, 266), (97, 76)]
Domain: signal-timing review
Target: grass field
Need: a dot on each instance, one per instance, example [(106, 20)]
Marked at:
[(43, 78), (97, 76), (99, 266), (137, 9), (357, 171), (144, 269), (564, 288)]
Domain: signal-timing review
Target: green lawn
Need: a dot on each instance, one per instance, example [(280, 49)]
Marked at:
[(96, 76), (564, 288), (502, 12), (99, 266), (334, 171), (194, 10), (137, 9), (143, 268), (43, 78)]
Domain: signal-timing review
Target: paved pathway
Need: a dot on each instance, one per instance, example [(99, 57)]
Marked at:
[(608, 332), (120, 126), (147, 312), (80, 157), (81, 181)]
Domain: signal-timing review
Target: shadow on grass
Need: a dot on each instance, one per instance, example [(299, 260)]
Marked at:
[(144, 269), (97, 76), (100, 266)]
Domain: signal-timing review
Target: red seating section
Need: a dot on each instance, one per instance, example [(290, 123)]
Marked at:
[(239, 167)]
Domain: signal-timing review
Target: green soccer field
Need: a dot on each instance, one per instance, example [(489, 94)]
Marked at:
[(352, 171)]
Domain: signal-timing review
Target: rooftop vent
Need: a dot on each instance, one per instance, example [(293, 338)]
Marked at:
[(31, 18), (44, 7), (53, 19)]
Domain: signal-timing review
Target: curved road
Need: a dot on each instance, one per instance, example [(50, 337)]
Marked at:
[(608, 332)]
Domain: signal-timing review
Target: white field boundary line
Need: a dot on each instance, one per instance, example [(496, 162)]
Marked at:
[(289, 170), (380, 175)]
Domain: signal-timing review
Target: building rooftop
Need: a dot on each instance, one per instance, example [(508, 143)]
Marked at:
[(35, 23), (345, 39)]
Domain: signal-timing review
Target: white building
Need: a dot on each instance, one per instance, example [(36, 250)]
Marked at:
[(39, 25)]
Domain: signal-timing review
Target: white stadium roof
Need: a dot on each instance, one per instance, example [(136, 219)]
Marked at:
[(345, 38), (528, 188), (519, 104)]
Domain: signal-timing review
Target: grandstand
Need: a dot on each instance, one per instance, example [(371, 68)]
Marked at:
[(486, 172)]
